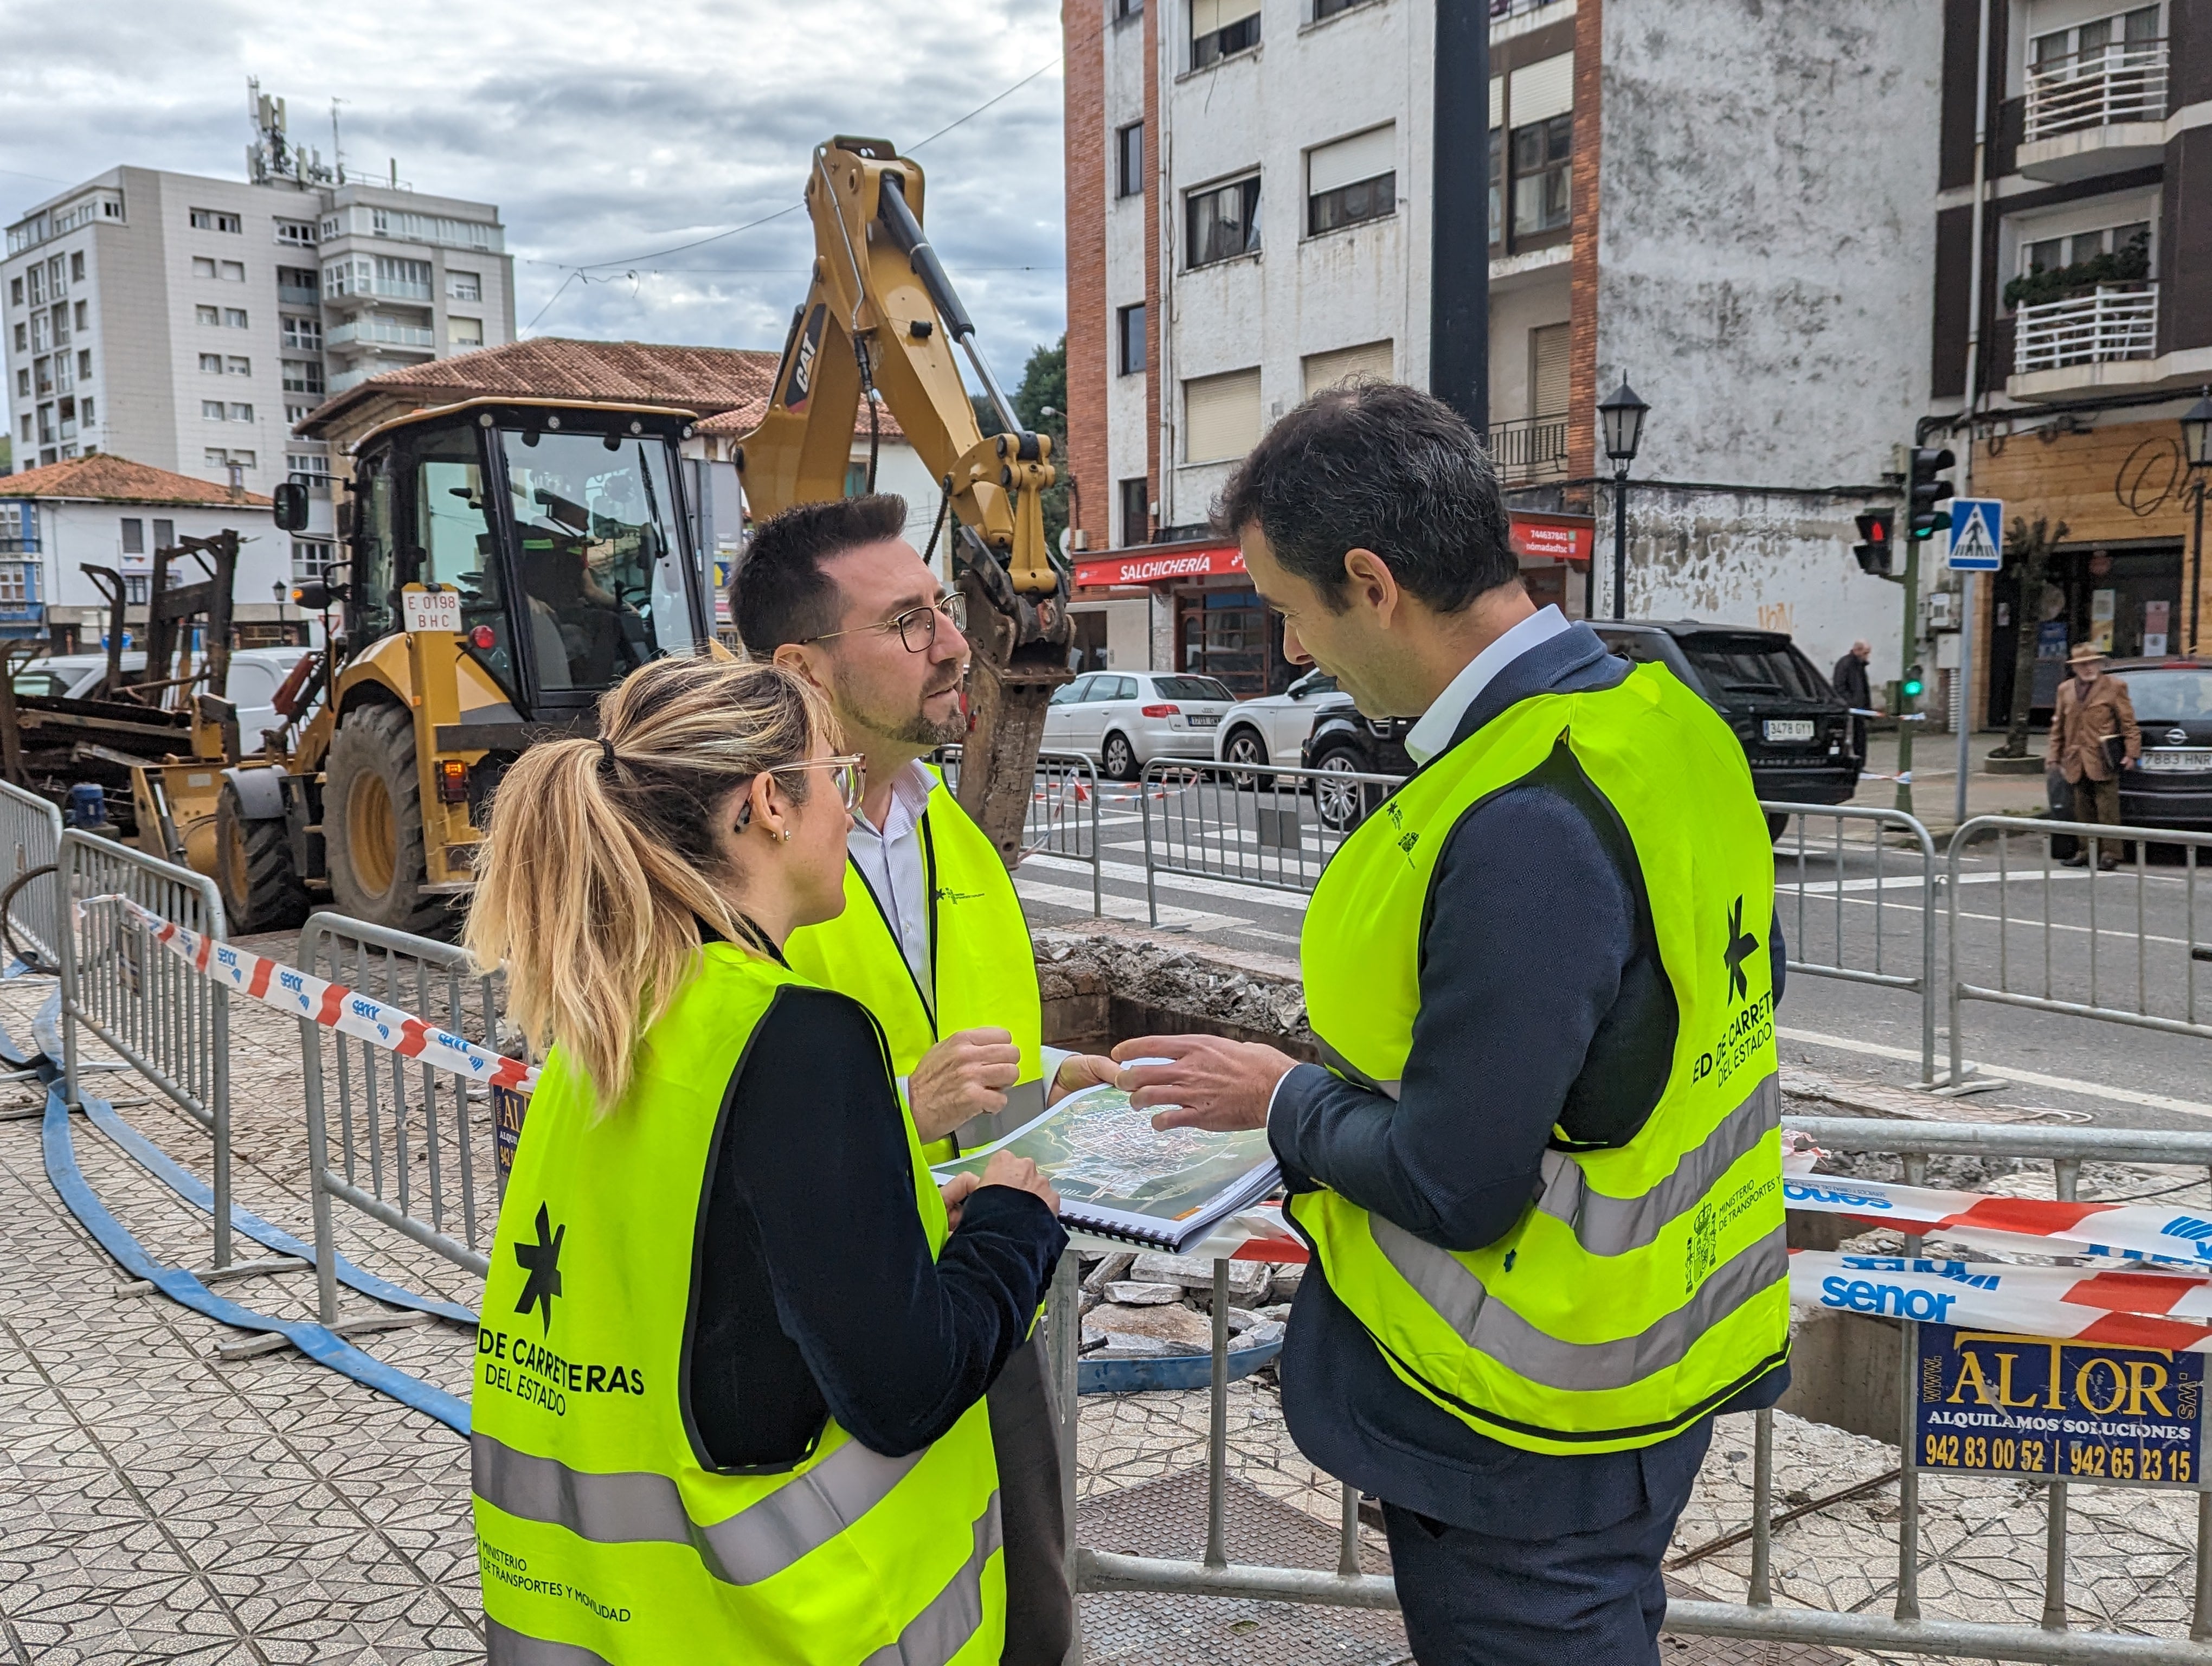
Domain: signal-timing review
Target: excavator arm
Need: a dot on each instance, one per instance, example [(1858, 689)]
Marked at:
[(881, 315)]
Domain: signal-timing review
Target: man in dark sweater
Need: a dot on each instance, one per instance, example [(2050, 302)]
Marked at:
[(1852, 687), (1546, 1023)]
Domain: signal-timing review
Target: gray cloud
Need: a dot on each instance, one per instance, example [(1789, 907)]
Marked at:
[(605, 133)]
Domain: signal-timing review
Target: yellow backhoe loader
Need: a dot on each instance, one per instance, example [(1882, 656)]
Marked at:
[(508, 561), (881, 320)]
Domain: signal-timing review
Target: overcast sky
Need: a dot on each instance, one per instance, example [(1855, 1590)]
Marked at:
[(606, 133)]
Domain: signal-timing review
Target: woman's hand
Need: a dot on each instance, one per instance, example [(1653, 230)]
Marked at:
[(954, 1193), (1078, 1071), (1005, 1169)]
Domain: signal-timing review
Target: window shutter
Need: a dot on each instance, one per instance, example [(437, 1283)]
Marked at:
[(1544, 89), (1547, 369), (1328, 369), (1497, 100), (1348, 162), (1220, 416), (1208, 15)]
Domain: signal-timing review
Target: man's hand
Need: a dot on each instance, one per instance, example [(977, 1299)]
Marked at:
[(1207, 1082), (954, 1193), (1078, 1071), (963, 1076), (1005, 1169)]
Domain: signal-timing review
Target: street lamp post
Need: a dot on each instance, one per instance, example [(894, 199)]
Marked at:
[(2197, 449), (1621, 415)]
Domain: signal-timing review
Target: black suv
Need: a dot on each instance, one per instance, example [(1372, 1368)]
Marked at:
[(1796, 729), (1345, 742)]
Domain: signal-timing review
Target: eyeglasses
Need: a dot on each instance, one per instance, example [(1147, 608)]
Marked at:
[(916, 627), (848, 774)]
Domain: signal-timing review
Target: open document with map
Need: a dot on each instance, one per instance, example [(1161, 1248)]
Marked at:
[(1118, 1176)]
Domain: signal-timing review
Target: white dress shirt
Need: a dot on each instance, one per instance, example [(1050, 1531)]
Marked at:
[(1432, 732), (890, 859)]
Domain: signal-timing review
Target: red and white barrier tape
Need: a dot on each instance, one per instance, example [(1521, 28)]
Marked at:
[(333, 1005), (2126, 1308), (2029, 1224)]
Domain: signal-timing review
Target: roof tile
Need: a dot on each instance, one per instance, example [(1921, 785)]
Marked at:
[(106, 477)]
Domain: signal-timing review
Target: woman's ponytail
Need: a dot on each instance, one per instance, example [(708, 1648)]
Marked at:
[(601, 858)]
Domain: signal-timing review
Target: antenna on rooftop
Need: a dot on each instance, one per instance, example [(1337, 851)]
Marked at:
[(337, 150), (271, 158)]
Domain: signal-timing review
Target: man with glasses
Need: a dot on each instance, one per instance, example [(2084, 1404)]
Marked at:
[(932, 940)]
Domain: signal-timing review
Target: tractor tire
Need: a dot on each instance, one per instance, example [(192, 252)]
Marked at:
[(261, 892), (372, 825)]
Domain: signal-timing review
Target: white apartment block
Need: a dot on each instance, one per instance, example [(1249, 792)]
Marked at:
[(190, 324), (1726, 206)]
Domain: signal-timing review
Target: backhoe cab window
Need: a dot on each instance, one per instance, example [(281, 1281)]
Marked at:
[(599, 577)]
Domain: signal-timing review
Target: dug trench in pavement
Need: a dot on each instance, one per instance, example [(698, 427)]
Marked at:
[(1110, 981)]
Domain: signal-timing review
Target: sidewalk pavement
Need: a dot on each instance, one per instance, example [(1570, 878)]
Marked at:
[(1934, 779)]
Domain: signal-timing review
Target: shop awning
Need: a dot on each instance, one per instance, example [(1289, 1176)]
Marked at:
[(1536, 537), (1141, 565)]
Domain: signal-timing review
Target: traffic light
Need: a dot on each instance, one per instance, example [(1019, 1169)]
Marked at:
[(1873, 547), (1915, 683), (1923, 492)]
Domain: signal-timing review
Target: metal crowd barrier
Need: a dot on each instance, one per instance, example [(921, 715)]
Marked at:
[(1852, 875), (30, 840), (1907, 1630), (1063, 819), (1274, 828), (416, 1149), (163, 1017), (2157, 924)]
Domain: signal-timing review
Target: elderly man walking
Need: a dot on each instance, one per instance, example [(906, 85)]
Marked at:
[(2092, 737), (1850, 678)]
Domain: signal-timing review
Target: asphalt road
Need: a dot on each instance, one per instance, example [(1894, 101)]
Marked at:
[(2024, 925)]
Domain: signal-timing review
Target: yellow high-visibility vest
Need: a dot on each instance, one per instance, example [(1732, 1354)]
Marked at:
[(983, 971), (603, 1531), (1647, 1283)]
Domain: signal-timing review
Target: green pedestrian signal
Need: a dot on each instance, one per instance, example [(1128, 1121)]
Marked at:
[(1915, 684)]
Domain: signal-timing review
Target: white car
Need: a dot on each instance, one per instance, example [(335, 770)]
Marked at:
[(255, 674), (1126, 719), (1274, 728)]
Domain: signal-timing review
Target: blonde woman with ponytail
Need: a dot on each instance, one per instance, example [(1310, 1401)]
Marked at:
[(729, 1397)]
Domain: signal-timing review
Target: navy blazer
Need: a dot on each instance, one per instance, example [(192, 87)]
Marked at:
[(1543, 1003)]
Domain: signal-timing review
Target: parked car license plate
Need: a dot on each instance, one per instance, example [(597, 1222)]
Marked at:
[(1789, 729), (2171, 758), (1203, 720)]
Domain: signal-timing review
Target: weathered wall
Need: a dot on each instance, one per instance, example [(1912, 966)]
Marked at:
[(1765, 240), (1755, 558)]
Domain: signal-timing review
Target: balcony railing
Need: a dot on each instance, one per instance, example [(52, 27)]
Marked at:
[(357, 287), (2119, 321), (2096, 88), (346, 379), (299, 294), (1501, 9), (379, 332), (1529, 446)]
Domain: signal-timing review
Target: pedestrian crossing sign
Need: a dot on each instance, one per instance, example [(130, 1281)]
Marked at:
[(1977, 544)]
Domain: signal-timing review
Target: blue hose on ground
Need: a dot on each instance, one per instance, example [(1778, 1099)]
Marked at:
[(314, 1341), (197, 1193)]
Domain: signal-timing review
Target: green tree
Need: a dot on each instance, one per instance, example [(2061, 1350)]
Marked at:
[(1043, 389), (2028, 555)]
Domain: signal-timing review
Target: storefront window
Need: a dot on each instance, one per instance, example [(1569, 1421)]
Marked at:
[(1225, 634)]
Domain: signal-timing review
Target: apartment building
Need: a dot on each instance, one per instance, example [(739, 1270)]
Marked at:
[(190, 324), (1725, 204), (2095, 316)]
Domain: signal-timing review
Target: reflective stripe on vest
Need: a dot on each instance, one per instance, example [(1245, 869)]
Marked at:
[(757, 1543), (1645, 1282), (935, 1635), (505, 1646), (604, 1533), (983, 969)]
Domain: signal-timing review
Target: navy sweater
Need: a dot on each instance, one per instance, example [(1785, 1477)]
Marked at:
[(1543, 1002), (814, 1293)]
